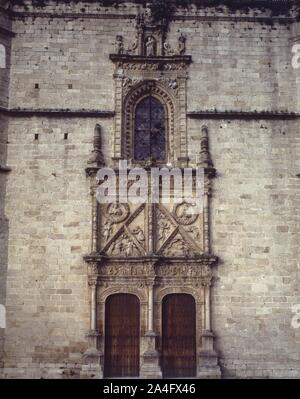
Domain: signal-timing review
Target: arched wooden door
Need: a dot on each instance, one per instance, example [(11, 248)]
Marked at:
[(122, 336), (179, 336)]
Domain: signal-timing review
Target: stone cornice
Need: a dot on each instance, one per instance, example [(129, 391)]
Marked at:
[(58, 112), (203, 18), (201, 114), (256, 115), (41, 14), (151, 259), (140, 59), (233, 18), (278, 10), (271, 4)]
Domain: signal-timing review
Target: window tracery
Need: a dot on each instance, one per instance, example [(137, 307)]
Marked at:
[(150, 130), (148, 124)]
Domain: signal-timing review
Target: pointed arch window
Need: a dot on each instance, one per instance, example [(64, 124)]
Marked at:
[(150, 121)]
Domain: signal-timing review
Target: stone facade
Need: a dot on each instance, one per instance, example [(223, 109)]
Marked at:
[(234, 85), (5, 41)]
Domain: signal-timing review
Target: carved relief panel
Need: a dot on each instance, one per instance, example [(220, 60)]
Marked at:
[(123, 230), (179, 233), (137, 230)]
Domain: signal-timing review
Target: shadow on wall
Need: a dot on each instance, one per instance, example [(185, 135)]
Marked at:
[(4, 231)]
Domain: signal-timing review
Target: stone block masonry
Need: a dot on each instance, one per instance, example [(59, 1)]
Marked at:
[(58, 58)]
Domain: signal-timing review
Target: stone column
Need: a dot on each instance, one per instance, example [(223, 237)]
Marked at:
[(150, 363), (94, 217), (207, 361), (93, 357), (150, 307), (117, 148), (206, 220), (150, 210), (93, 285), (182, 155), (207, 307)]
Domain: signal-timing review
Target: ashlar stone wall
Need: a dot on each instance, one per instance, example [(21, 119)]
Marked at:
[(242, 62)]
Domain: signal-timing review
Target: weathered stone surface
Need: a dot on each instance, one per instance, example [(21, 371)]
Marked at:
[(59, 59)]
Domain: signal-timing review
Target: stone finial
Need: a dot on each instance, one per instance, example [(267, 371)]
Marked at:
[(97, 156), (205, 160), (148, 16)]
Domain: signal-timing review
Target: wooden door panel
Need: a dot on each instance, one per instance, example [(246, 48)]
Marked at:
[(179, 336), (122, 336)]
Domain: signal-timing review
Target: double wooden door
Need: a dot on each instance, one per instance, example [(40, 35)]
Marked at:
[(122, 336), (179, 336)]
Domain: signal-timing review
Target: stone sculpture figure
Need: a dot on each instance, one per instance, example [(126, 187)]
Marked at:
[(119, 45), (150, 46), (139, 234), (107, 230), (148, 17), (181, 45)]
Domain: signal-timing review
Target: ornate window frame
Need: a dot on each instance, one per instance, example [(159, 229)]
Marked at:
[(137, 94), (168, 76)]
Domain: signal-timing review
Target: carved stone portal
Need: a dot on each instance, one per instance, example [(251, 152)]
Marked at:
[(151, 250)]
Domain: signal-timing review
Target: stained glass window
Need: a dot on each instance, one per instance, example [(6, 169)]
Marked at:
[(150, 130)]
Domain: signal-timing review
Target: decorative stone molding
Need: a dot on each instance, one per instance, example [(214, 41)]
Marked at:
[(243, 115), (116, 213), (152, 63), (57, 112), (127, 270), (129, 83), (110, 288), (155, 89), (93, 269), (183, 216), (92, 282), (179, 270), (200, 267)]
